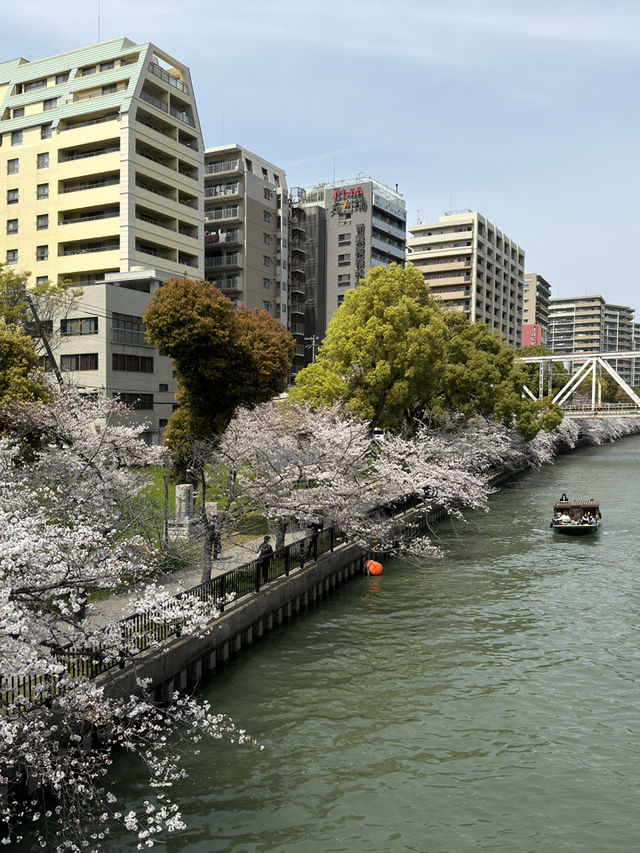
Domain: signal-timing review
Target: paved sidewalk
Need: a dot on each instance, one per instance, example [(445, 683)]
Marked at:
[(118, 605)]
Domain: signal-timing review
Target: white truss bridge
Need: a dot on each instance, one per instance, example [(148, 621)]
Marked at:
[(592, 365)]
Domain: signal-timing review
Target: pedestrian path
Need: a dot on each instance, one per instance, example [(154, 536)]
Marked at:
[(119, 606)]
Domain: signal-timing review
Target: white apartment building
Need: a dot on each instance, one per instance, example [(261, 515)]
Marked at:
[(587, 324), (473, 267)]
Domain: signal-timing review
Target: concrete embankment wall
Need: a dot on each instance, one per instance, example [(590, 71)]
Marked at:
[(180, 663)]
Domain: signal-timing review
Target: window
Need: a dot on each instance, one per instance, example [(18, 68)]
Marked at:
[(267, 216), (132, 363), (265, 174), (45, 131), (18, 112), (162, 422), (344, 260), (344, 239), (127, 329), (344, 279), (12, 256), (89, 69), (12, 226), (82, 361), (43, 160), (276, 180), (266, 261), (266, 305), (13, 166), (16, 137), (42, 222), (79, 326), (13, 196), (62, 78), (107, 66), (268, 194), (266, 239), (42, 279), (266, 282), (249, 165), (35, 84), (42, 253), (43, 190), (110, 90), (136, 401), (163, 387), (50, 104)]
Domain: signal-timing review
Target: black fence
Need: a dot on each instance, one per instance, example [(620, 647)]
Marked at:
[(145, 630)]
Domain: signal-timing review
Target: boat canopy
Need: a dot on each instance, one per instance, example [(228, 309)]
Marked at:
[(591, 504)]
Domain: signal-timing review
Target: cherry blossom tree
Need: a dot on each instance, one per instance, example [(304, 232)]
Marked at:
[(70, 471)]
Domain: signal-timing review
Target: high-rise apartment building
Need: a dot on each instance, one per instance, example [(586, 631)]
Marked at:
[(351, 226), (102, 163), (473, 267), (537, 293), (246, 230), (586, 324), (101, 168)]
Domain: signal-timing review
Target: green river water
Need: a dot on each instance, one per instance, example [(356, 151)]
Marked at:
[(487, 701)]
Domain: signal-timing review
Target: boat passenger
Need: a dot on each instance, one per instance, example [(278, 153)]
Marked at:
[(565, 518), (564, 497), (584, 519)]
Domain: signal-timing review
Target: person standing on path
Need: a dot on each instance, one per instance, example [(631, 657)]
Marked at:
[(265, 556)]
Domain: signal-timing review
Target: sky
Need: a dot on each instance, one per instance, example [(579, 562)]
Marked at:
[(525, 110)]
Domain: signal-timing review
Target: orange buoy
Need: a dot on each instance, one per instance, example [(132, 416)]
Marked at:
[(373, 568)]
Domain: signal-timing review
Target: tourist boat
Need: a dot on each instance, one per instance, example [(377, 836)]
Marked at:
[(576, 510)]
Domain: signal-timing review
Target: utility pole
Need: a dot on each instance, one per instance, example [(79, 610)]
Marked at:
[(312, 344), (45, 341)]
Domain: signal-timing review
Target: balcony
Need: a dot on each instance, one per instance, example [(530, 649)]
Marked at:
[(155, 102), (167, 78), (182, 116), (221, 168), (91, 185), (222, 190), (231, 284), (91, 248), (230, 259), (222, 213)]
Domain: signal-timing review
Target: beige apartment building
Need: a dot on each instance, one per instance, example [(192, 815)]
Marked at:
[(473, 267), (246, 229), (101, 163), (537, 293)]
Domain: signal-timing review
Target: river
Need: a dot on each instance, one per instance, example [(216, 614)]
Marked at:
[(486, 701)]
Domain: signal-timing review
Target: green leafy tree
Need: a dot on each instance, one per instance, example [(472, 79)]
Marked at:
[(21, 380), (384, 350), (393, 354), (223, 357)]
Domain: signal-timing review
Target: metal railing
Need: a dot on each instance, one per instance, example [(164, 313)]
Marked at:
[(142, 631)]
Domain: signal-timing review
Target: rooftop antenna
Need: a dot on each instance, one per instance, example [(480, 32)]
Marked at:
[(334, 170), (221, 128), (98, 20), (419, 220)]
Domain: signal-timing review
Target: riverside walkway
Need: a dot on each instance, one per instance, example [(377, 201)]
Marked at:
[(120, 605)]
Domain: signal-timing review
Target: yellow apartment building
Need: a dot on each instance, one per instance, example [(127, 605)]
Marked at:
[(101, 173)]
